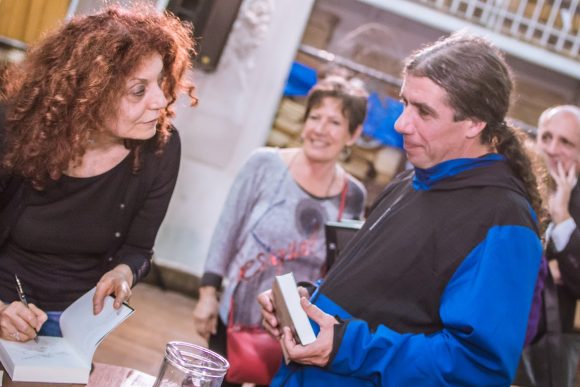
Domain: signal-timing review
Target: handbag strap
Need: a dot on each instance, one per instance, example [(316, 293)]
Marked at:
[(241, 275), (231, 312), (342, 198)]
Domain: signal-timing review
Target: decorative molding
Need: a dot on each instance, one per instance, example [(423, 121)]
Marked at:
[(248, 33)]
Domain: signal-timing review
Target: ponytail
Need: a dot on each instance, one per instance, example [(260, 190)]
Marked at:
[(509, 142), (478, 83)]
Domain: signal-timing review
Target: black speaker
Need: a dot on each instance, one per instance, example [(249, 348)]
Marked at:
[(212, 22)]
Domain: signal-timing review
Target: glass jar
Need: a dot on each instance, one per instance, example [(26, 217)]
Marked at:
[(189, 365)]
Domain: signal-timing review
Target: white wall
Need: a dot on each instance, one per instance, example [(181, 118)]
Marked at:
[(233, 117), (236, 107)]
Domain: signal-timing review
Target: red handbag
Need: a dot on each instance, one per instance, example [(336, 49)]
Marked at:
[(253, 354)]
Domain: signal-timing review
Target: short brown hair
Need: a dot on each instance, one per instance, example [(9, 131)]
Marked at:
[(351, 94)]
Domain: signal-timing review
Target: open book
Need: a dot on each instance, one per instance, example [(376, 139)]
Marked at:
[(289, 312), (64, 359)]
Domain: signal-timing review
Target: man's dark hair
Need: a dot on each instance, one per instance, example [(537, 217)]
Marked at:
[(479, 84)]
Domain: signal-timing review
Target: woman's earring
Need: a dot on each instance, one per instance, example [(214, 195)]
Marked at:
[(346, 153)]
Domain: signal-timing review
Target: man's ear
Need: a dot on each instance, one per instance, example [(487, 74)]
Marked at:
[(474, 128), (355, 135)]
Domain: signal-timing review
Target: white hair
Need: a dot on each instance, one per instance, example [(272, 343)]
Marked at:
[(554, 111)]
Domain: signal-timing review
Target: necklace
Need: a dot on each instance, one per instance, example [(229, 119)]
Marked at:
[(331, 181), (334, 173)]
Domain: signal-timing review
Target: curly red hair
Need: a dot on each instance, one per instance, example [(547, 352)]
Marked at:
[(72, 80)]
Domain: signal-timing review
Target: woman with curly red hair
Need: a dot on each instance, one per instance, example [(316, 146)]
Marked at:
[(89, 161)]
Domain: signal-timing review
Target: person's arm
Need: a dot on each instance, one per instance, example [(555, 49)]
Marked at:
[(484, 310), (134, 256), (241, 198), (205, 313), (563, 231), (226, 237)]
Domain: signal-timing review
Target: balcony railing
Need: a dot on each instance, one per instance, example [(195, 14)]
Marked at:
[(553, 25), (539, 31)]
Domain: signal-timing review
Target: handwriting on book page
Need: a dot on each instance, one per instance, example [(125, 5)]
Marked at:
[(47, 350), (40, 351)]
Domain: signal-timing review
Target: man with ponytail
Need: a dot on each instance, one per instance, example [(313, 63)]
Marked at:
[(436, 288)]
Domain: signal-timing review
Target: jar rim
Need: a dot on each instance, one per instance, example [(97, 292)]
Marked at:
[(177, 352)]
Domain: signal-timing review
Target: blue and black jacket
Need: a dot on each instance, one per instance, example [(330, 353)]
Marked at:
[(436, 288)]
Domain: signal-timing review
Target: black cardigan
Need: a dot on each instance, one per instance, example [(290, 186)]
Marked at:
[(146, 199)]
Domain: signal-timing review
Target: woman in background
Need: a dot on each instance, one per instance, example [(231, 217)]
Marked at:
[(89, 161), (273, 219)]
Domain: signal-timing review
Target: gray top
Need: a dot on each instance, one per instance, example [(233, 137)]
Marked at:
[(269, 225)]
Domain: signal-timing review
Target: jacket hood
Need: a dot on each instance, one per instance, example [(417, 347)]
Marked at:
[(485, 171)]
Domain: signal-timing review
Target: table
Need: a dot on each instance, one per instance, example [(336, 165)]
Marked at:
[(103, 375)]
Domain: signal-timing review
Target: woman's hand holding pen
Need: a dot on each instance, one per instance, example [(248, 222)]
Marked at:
[(20, 323), (116, 282)]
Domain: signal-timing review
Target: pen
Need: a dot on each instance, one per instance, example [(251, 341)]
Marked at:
[(22, 297)]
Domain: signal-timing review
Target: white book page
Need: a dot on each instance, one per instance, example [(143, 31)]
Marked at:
[(49, 352), (83, 330)]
